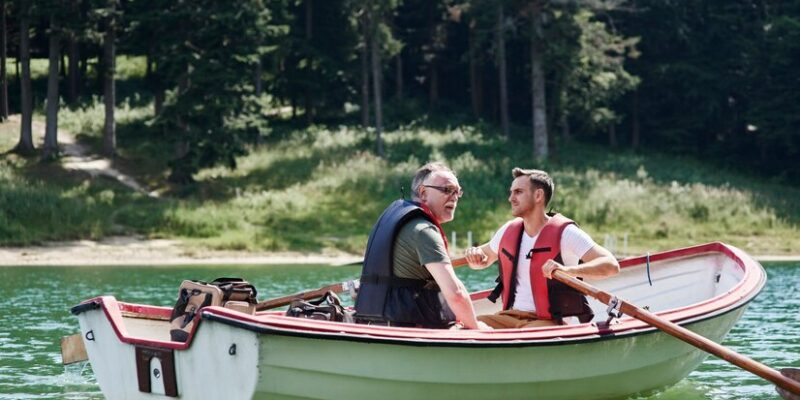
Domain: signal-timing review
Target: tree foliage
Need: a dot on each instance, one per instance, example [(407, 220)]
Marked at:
[(207, 55), (711, 78)]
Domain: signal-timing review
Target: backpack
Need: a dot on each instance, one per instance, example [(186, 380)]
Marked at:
[(326, 308), (233, 293)]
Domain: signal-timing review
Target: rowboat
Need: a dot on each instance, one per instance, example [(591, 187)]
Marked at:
[(233, 355)]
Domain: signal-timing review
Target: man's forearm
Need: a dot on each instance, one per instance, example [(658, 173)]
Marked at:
[(465, 313), (462, 307), (601, 267)]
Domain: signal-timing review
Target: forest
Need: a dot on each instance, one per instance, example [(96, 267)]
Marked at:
[(716, 80)]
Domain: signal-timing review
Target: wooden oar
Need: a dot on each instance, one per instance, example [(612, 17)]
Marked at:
[(306, 295), (315, 293), (788, 388)]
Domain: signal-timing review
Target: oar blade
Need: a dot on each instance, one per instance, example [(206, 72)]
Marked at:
[(72, 349), (791, 373)]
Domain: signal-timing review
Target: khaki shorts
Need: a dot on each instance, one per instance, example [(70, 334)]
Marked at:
[(511, 319)]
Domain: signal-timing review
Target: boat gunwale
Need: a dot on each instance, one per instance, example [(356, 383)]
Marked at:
[(273, 322), (599, 334)]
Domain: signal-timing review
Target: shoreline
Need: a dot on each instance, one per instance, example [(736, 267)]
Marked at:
[(133, 251), (128, 251)]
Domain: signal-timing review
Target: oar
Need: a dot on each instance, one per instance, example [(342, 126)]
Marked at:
[(306, 295), (315, 293), (788, 388)]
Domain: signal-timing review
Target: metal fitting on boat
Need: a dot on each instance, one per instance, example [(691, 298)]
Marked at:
[(613, 309)]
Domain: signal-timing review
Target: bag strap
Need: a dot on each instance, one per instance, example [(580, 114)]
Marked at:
[(235, 285)]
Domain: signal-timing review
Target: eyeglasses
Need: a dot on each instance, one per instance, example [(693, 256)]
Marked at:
[(448, 191)]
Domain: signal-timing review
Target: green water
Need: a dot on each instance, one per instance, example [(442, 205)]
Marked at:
[(36, 302)]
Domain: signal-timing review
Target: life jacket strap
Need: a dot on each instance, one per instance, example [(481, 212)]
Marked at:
[(539, 250), (498, 290)]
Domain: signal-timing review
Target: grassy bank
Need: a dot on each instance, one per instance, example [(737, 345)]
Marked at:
[(321, 187)]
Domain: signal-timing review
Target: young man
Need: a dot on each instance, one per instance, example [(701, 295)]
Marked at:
[(407, 279), (529, 248)]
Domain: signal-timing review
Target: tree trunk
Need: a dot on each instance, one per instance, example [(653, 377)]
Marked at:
[(377, 79), (182, 171), (25, 145), (433, 94), (151, 78), (566, 133), (158, 102), (73, 73), (50, 149), (155, 85), (474, 76), (73, 55), (501, 69), (308, 100), (399, 75), (538, 105), (635, 127), (365, 71), (258, 87), (62, 66), (109, 89), (309, 19), (433, 73), (612, 135), (3, 58), (100, 68), (84, 64)]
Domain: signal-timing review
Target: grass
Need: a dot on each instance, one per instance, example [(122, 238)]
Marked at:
[(320, 187), (128, 67)]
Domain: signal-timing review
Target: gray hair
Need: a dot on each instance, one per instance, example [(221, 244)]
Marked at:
[(539, 180), (423, 173)]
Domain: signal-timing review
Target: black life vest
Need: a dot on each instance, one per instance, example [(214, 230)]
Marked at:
[(383, 297), (553, 299)]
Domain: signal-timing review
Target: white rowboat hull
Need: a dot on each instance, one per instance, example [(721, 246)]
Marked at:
[(236, 356)]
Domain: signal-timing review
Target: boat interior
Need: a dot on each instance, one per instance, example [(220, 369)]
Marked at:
[(659, 285)]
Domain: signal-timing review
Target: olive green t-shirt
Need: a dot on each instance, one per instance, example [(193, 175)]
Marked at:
[(418, 243)]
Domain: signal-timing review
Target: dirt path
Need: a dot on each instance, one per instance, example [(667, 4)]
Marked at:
[(78, 157), (132, 250)]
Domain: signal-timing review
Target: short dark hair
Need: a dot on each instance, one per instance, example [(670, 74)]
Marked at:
[(423, 172), (539, 180)]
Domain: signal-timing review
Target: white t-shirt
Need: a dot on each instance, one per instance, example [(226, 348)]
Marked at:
[(574, 244)]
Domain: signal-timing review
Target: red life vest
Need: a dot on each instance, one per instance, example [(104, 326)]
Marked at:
[(552, 299)]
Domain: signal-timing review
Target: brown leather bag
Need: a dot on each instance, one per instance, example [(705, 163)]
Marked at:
[(234, 293), (326, 308)]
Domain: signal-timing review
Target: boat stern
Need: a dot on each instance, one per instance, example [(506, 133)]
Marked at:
[(132, 356)]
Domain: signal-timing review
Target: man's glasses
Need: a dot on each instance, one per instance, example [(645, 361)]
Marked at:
[(448, 191)]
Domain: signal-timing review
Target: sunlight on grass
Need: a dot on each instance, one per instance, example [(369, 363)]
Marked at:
[(128, 67), (676, 214), (89, 120), (9, 135), (335, 189), (321, 188)]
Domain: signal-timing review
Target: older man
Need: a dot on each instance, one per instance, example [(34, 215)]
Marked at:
[(530, 247), (407, 279)]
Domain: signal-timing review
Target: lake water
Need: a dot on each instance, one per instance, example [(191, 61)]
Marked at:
[(36, 302)]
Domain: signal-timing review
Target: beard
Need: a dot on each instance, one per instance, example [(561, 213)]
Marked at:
[(520, 210)]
